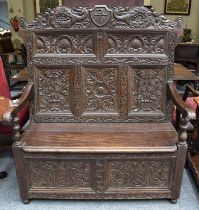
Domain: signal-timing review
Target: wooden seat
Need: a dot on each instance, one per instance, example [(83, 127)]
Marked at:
[(100, 138)]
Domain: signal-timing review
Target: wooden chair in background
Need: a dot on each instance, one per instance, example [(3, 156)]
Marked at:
[(18, 107), (191, 98), (13, 59)]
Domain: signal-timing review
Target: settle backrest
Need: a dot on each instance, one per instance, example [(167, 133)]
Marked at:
[(100, 64)]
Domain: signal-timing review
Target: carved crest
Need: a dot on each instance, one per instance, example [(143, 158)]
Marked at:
[(100, 15)]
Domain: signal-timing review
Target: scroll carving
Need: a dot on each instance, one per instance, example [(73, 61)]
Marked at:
[(139, 173), (100, 16), (60, 174), (136, 44), (146, 90), (53, 90), (66, 44)]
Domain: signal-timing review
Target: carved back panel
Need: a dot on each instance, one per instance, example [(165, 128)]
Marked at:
[(100, 64)]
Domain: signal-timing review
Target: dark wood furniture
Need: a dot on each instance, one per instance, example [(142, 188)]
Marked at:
[(101, 106), (7, 51), (5, 104), (193, 140), (22, 76), (188, 53), (193, 155), (6, 131), (183, 76), (181, 73)]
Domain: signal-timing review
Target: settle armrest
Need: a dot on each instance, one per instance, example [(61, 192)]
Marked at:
[(20, 103), (196, 99), (16, 96), (184, 109), (189, 88)]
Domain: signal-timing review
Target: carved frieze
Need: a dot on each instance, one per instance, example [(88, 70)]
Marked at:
[(40, 60), (66, 44), (53, 90), (130, 173), (136, 44), (101, 89), (101, 16), (146, 90), (60, 174)]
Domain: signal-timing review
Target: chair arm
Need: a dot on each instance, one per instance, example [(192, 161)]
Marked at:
[(184, 109), (20, 103), (188, 89), (16, 96), (196, 99)]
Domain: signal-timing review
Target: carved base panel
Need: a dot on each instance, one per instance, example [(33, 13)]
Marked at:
[(97, 176)]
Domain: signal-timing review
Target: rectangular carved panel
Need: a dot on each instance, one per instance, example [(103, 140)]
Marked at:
[(139, 173), (64, 43), (146, 90), (54, 91), (136, 43), (100, 173), (60, 174), (100, 90)]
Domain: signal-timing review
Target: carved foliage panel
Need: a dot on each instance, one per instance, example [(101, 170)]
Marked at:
[(139, 174), (101, 174), (146, 91), (136, 43), (54, 95), (101, 90), (60, 174), (64, 43)]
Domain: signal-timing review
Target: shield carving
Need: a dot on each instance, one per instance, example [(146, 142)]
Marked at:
[(100, 15)]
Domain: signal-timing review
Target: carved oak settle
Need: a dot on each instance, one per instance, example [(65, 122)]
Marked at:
[(101, 106)]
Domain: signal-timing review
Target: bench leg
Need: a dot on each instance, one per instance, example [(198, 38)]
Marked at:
[(26, 201), (173, 201), (3, 174), (20, 171)]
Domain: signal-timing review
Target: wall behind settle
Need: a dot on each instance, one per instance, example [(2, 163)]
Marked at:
[(26, 8), (191, 21)]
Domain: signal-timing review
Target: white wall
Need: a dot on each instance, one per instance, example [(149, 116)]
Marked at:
[(191, 21), (4, 20)]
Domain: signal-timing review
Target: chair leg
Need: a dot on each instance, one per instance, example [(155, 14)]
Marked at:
[(3, 174)]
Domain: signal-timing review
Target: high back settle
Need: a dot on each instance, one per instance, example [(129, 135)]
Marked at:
[(100, 64), (101, 106)]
